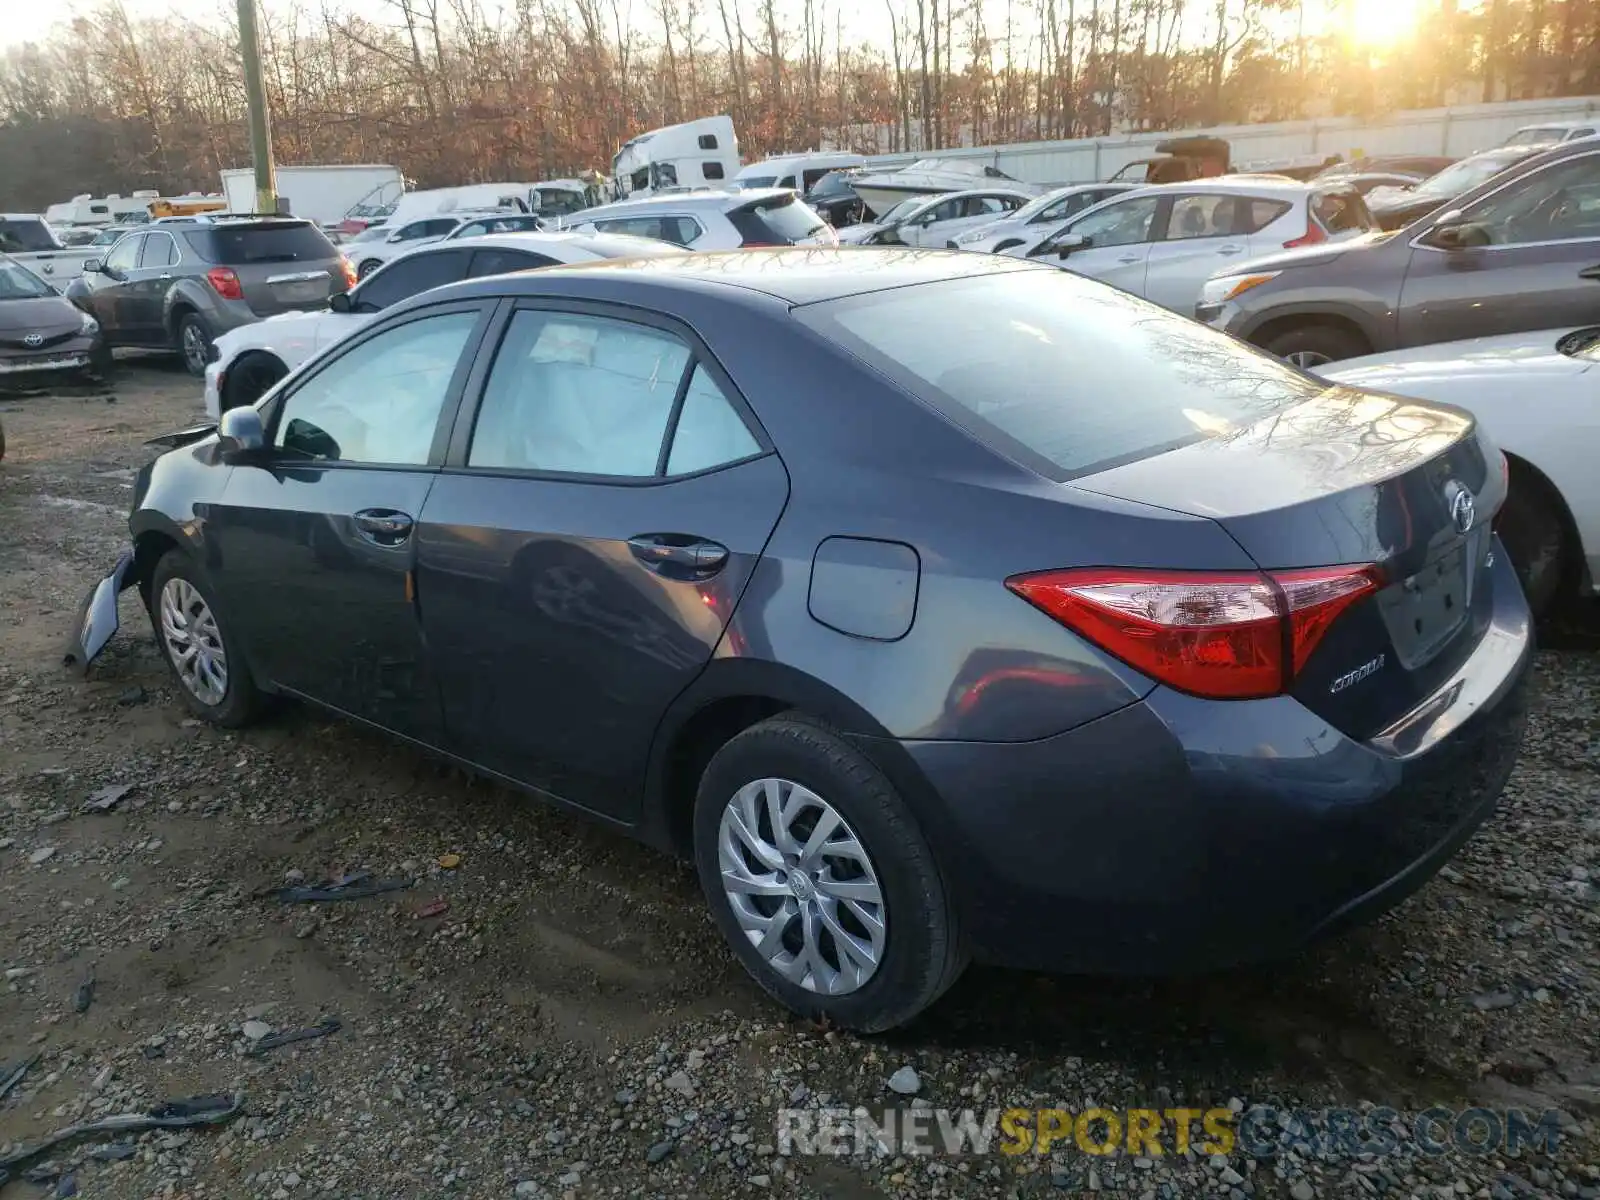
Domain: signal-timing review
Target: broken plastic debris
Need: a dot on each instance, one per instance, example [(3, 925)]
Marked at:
[(331, 1025), (106, 798), (436, 907), (114, 1152), (84, 996), (449, 861), (174, 1114), (13, 1074), (353, 886)]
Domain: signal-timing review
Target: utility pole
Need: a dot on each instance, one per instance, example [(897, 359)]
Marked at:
[(255, 91)]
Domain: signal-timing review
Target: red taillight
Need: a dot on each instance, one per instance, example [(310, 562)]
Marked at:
[(349, 269), (1310, 237), (225, 283), (1227, 635)]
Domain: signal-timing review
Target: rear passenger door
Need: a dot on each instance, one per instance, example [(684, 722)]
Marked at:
[(1204, 233), (605, 498)]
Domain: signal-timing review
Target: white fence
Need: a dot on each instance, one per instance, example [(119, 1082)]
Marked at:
[(1454, 131)]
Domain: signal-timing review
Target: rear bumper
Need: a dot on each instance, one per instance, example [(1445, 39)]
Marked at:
[(1182, 835)]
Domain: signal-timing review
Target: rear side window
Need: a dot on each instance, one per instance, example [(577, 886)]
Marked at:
[(25, 237), (1057, 372), (781, 221), (498, 262), (238, 246), (1341, 212), (680, 231)]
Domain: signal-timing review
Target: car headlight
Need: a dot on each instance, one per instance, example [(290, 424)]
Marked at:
[(1229, 287), (89, 325)]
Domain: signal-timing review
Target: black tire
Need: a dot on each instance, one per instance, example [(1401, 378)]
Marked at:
[(1313, 344), (193, 341), (241, 701), (367, 268), (1533, 528), (923, 952), (249, 378)]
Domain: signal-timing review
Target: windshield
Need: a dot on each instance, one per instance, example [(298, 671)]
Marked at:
[(1535, 135), (25, 235), (1057, 372), (902, 210), (372, 233), (834, 183), (106, 236), (784, 221), (19, 283), (1466, 175), (1036, 206)]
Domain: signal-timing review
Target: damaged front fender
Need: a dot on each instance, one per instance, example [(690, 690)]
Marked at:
[(97, 615)]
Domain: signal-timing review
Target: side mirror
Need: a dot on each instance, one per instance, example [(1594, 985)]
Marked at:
[(1068, 242), (393, 237), (93, 266), (240, 433), (1452, 231), (339, 302)]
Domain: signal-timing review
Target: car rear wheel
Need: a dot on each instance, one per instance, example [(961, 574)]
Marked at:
[(201, 651), (249, 378), (818, 876), (1309, 346), (194, 344), (1534, 531)]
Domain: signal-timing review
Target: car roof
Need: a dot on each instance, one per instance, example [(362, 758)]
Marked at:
[(602, 245), (794, 275), (1582, 122), (705, 199), (1271, 186)]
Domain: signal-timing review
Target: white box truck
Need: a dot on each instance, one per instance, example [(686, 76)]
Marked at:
[(324, 194)]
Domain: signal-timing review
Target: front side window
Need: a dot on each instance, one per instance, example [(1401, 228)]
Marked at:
[(124, 256), (380, 402), (1123, 224), (1559, 203), (711, 170)]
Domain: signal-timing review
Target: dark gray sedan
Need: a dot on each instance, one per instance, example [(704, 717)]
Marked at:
[(935, 604), (1520, 251)]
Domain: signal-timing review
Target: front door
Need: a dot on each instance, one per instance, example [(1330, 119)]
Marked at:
[(1204, 233), (111, 291), (147, 288), (580, 556), (1117, 247), (315, 545), (1540, 268)]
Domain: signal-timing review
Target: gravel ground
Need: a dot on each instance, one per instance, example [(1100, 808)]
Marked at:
[(569, 1024)]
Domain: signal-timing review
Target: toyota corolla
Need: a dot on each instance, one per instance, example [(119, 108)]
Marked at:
[(936, 605)]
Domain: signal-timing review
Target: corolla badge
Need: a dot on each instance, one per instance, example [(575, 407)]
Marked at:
[(33, 339), (1463, 508)]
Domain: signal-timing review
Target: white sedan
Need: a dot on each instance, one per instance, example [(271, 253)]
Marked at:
[(935, 220), (1036, 219), (253, 358), (1535, 394)]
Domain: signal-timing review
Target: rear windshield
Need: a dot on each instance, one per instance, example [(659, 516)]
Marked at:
[(1057, 372), (241, 245), (1535, 136), (757, 181), (782, 220), (25, 236), (1342, 212)]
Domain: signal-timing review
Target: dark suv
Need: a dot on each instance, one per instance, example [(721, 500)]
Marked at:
[(177, 284), (1520, 251)]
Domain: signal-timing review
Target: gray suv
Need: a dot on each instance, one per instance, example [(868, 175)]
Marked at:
[(178, 284), (1520, 251)]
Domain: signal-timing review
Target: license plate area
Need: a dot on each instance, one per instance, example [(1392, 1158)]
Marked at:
[(301, 291), (1424, 611)]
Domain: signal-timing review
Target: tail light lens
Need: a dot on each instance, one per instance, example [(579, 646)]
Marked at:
[(1234, 635), (1310, 237), (225, 283), (349, 269)]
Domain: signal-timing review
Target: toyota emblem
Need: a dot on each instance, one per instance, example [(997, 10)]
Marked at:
[(1463, 509), (33, 339)]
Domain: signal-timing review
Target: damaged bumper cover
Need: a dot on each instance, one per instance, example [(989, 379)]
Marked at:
[(97, 614)]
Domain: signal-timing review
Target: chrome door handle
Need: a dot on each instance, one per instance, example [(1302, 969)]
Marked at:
[(383, 526), (678, 555), (1131, 258), (1231, 250), (1590, 273), (165, 275)]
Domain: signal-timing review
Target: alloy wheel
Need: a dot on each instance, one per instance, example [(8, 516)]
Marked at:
[(802, 887), (1307, 359), (194, 348), (194, 642)]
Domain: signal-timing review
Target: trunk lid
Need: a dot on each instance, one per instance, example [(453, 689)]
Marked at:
[(1351, 477)]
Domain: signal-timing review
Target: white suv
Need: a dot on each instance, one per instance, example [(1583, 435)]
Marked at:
[(707, 220), (369, 254)]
